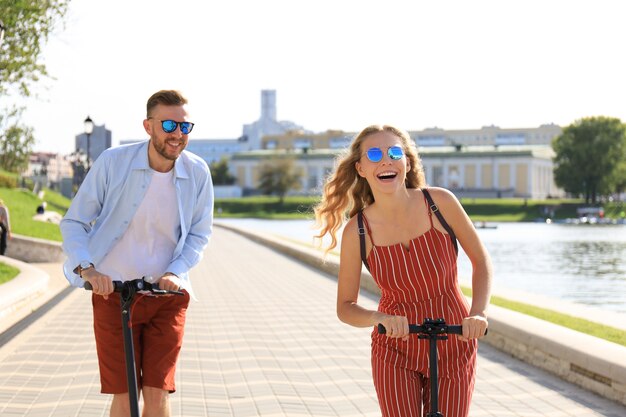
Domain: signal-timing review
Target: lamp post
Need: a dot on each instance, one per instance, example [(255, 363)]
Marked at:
[(88, 132), (1, 31)]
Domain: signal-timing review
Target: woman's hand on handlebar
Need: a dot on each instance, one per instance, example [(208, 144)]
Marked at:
[(101, 283), (474, 327), (396, 326)]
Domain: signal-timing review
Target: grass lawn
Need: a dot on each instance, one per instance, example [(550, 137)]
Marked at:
[(22, 206), (7, 272), (581, 325)]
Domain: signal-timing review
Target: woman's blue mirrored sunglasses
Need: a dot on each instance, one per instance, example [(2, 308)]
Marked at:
[(376, 154), (170, 125)]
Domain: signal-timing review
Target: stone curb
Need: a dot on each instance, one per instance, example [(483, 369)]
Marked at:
[(593, 363), (30, 283), (31, 249)]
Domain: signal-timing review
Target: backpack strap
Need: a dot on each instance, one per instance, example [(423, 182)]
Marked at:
[(433, 207), (361, 231)]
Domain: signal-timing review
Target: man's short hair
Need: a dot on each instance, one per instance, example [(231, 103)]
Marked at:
[(166, 98)]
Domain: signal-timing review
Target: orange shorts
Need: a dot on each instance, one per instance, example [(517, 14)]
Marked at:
[(158, 325)]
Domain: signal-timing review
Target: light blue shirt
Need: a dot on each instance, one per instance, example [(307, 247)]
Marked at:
[(110, 195)]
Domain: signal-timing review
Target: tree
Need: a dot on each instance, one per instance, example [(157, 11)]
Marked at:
[(590, 154), (619, 178), (16, 142), (279, 177), (28, 25), (220, 174)]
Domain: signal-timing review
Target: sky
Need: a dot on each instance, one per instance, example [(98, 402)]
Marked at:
[(335, 64)]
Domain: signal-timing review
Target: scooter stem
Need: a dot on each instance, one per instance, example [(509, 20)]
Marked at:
[(126, 299)]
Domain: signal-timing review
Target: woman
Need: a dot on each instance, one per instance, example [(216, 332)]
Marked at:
[(5, 227), (413, 261)]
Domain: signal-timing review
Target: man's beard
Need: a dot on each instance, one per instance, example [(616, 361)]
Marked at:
[(161, 148)]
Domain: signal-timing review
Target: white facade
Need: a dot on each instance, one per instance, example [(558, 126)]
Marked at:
[(59, 168), (519, 171), (212, 150), (524, 172)]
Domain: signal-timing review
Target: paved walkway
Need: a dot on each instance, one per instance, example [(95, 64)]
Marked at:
[(262, 341)]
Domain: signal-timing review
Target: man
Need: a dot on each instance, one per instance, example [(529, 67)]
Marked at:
[(144, 209)]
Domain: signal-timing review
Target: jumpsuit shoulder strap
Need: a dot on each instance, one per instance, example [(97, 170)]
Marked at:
[(362, 231), (428, 205), (432, 207)]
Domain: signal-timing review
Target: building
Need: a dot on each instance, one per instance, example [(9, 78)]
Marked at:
[(313, 166), (96, 143), (58, 169), (294, 139), (482, 171), (51, 170), (267, 124), (524, 171), (212, 150), (487, 135)]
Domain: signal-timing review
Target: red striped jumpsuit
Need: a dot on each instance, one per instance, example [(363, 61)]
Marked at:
[(420, 282)]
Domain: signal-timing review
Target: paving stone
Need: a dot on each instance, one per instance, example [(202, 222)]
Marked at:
[(263, 340)]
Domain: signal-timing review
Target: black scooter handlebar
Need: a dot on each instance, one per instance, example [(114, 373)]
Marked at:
[(431, 327), (137, 285), (118, 286)]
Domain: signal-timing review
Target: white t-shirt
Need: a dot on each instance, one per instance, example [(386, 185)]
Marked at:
[(147, 246)]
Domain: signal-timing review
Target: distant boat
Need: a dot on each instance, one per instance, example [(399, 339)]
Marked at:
[(485, 225), (588, 215)]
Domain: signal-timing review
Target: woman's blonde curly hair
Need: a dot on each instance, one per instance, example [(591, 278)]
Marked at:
[(346, 192)]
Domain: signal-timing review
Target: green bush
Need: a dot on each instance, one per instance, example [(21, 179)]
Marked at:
[(516, 209), (7, 181), (261, 206), (502, 209)]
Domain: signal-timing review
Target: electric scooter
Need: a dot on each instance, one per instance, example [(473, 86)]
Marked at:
[(128, 290), (432, 330)]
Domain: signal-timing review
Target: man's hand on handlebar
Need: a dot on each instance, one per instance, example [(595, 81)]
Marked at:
[(101, 284), (169, 282)]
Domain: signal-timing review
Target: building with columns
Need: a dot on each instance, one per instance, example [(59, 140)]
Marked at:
[(523, 171)]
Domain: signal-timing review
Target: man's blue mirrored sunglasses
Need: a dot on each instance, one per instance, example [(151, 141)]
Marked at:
[(376, 154), (170, 125)]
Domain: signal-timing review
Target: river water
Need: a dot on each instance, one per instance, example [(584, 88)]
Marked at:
[(583, 264)]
